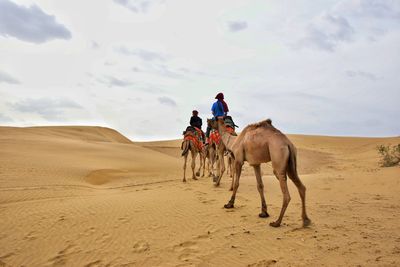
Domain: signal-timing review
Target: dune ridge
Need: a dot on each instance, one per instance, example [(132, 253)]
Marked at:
[(88, 196)]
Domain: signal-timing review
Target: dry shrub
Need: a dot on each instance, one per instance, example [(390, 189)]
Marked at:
[(390, 155)]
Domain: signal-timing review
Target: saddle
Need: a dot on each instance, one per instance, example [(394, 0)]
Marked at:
[(229, 122), (194, 134)]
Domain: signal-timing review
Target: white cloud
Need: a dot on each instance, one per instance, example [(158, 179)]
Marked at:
[(50, 109), (362, 74), (327, 31), (6, 78), (138, 6), (235, 26), (5, 119), (29, 24), (167, 101)]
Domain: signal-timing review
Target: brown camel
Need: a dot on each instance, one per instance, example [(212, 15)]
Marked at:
[(189, 144), (211, 158), (220, 149), (260, 143)]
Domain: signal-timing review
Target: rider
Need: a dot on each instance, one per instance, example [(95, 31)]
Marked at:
[(197, 122), (219, 110)]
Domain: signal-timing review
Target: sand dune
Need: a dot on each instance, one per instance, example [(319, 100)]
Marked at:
[(88, 196)]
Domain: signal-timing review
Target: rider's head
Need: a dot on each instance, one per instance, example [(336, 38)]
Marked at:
[(220, 96), (195, 112)]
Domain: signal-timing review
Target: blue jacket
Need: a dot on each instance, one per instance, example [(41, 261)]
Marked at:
[(218, 109)]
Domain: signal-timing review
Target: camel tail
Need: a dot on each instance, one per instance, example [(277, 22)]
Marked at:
[(292, 160), (185, 147)]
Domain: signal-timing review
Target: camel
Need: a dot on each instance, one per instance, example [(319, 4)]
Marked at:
[(189, 144), (261, 143), (211, 158), (220, 149)]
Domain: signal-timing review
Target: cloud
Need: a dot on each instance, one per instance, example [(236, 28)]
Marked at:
[(29, 24), (6, 78), (138, 6), (351, 20), (363, 74), (381, 9), (167, 101), (235, 26), (4, 118), (145, 55), (160, 70), (111, 81), (327, 31), (48, 108), (94, 45)]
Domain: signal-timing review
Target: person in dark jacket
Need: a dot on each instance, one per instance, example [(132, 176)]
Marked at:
[(197, 122)]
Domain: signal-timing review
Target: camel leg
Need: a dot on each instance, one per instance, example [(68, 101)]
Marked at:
[(194, 155), (201, 164), (260, 187), (232, 167), (302, 191), (210, 168), (238, 171), (184, 168), (217, 172), (286, 197), (232, 184), (228, 169), (213, 160), (209, 165), (221, 166)]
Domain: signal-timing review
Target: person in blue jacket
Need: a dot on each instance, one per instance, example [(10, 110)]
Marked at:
[(219, 110)]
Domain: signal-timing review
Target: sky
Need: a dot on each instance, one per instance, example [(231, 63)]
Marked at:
[(323, 67)]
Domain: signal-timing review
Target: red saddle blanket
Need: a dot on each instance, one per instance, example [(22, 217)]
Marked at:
[(195, 138), (215, 137)]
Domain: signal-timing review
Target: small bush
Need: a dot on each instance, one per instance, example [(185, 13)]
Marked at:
[(390, 155)]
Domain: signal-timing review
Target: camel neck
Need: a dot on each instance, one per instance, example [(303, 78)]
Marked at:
[(227, 139)]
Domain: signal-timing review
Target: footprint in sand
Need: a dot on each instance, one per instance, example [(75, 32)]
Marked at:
[(141, 246), (187, 250), (90, 231), (186, 247), (61, 258), (123, 219), (263, 263), (206, 201), (94, 264), (3, 257), (30, 236)]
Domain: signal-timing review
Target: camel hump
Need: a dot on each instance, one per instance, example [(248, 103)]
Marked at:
[(264, 123)]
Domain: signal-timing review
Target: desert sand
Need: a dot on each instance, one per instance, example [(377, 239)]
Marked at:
[(88, 196)]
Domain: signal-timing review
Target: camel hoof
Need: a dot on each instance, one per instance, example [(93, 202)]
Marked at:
[(194, 178), (275, 224), (215, 179), (229, 206), (184, 180), (197, 173), (306, 222), (263, 214)]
